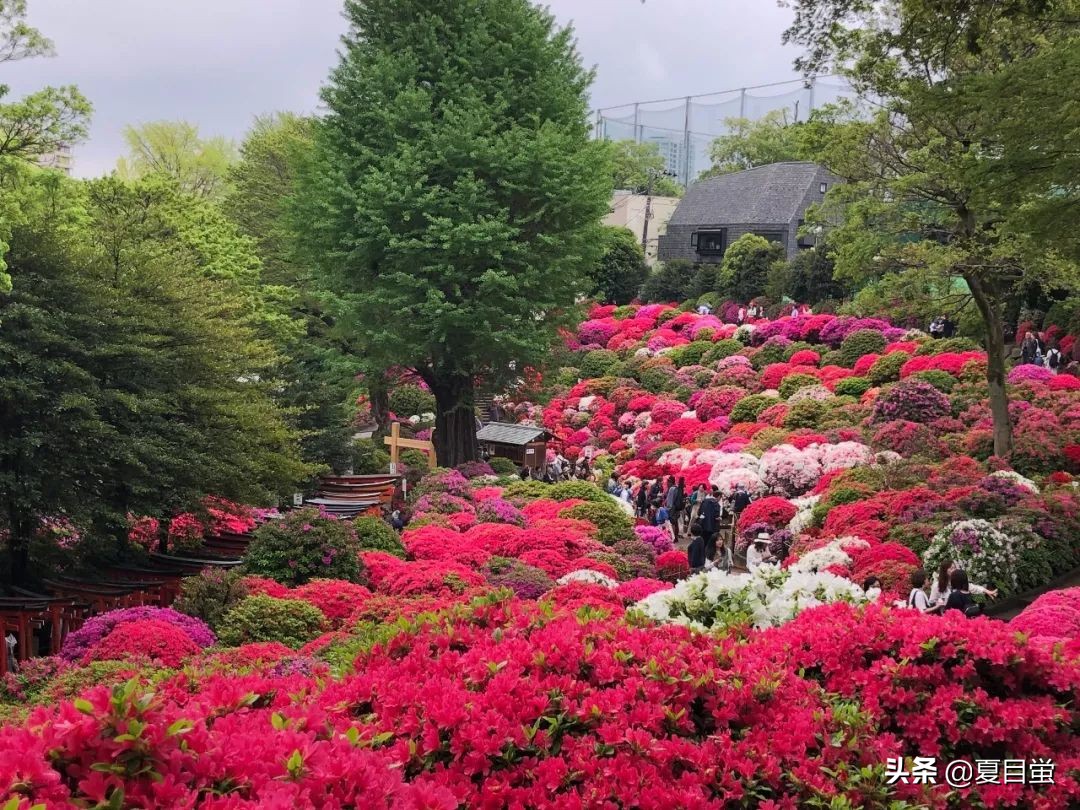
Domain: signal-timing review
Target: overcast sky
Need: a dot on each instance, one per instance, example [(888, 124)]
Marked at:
[(219, 63)]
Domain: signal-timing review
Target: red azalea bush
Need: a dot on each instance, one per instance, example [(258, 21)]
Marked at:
[(773, 510), (151, 640), (672, 565), (186, 534), (424, 718), (1054, 615), (336, 598)]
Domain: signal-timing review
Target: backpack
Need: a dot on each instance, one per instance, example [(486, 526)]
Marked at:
[(1053, 358), (741, 501)]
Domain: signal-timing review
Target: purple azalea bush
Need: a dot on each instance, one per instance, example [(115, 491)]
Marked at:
[(79, 642)]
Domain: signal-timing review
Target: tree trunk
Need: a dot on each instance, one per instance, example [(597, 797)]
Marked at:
[(18, 544), (990, 309), (380, 404), (455, 420)]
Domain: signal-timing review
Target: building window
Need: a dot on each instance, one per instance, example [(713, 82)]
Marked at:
[(708, 241), (771, 236)]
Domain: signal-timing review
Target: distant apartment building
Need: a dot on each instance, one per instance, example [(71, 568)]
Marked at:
[(59, 159), (628, 211), (672, 149)]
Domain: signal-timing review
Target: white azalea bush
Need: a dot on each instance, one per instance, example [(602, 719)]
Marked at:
[(988, 555), (767, 598), (1017, 479), (588, 576)]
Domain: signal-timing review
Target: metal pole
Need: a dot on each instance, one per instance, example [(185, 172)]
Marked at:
[(686, 144), (597, 132), (648, 213), (813, 81), (637, 123), (742, 103)]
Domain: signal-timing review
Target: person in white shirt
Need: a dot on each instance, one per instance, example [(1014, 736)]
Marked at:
[(940, 590), (742, 314), (917, 599), (758, 553), (704, 309), (795, 312)]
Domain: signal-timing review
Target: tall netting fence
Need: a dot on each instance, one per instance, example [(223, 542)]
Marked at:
[(684, 129)]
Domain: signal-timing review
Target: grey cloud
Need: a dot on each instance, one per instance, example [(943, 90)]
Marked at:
[(218, 63)]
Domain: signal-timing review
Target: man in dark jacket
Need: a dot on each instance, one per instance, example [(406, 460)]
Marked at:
[(695, 553), (740, 500), (709, 516)]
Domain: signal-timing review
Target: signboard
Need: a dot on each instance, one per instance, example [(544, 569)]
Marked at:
[(298, 499)]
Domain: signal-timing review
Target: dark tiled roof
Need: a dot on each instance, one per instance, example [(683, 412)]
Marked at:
[(508, 433), (768, 195)]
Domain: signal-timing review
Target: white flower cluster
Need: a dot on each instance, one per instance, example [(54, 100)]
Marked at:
[(1017, 479), (589, 576), (767, 598), (834, 553), (805, 514), (987, 554)]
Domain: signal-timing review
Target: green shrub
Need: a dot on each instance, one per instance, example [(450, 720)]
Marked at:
[(303, 545), (623, 312), (955, 344), (375, 534), (832, 358), (864, 341), (596, 362), (748, 408), (690, 354), (767, 355), (657, 379), (887, 368), (211, 594), (721, 349), (798, 346), (765, 439), (409, 400), (806, 413), (611, 522), (852, 386), (793, 382), (567, 376), (577, 490), (503, 466), (943, 381), (291, 622), (369, 457), (526, 490)]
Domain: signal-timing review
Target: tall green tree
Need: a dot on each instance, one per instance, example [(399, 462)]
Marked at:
[(35, 125), (130, 379), (939, 174), (744, 272), (319, 372), (455, 195), (773, 138), (620, 271), (640, 168), (174, 149)]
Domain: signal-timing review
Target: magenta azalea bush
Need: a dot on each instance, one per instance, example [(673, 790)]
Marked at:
[(79, 642)]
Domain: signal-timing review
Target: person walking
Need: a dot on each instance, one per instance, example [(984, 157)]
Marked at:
[(695, 552), (1053, 357), (678, 506), (710, 522), (740, 500), (642, 502)]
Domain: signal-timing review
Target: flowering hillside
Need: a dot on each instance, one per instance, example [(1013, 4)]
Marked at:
[(524, 644)]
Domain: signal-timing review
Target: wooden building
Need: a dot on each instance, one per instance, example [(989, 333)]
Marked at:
[(522, 444)]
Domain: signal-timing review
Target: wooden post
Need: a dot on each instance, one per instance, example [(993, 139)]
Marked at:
[(395, 442)]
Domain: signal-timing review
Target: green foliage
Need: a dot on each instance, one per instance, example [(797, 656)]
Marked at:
[(597, 362), (133, 376), (806, 413), (611, 522), (668, 282), (524, 491), (721, 349), (941, 380), (809, 277), (857, 344), (768, 354), (369, 457), (746, 266), (639, 167), (887, 368), (211, 594), (302, 545), (502, 466), (411, 400), (621, 270), (690, 354), (173, 149), (793, 382), (291, 622), (772, 138), (455, 170), (375, 534), (941, 346), (748, 408), (577, 490), (852, 386)]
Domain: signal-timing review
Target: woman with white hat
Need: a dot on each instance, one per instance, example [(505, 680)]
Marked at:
[(757, 552)]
